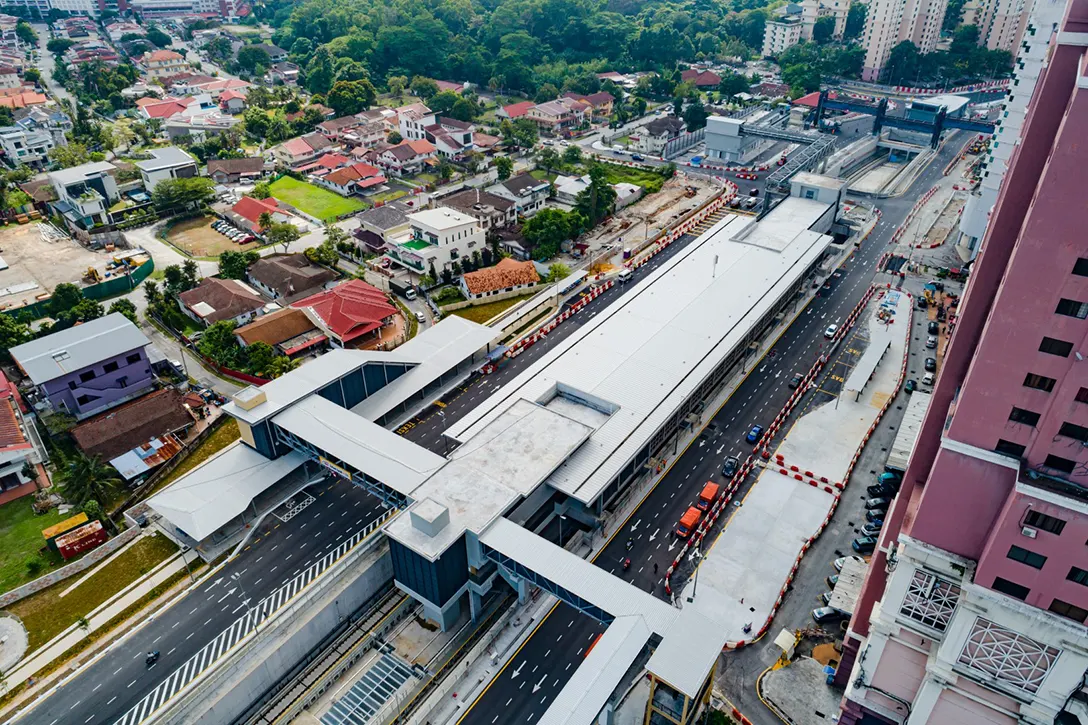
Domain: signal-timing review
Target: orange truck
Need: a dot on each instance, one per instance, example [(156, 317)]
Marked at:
[(708, 496), (688, 522)]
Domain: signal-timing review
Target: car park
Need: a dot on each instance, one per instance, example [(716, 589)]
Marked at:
[(795, 381), (933, 327), (872, 528), (754, 434), (931, 342), (864, 544), (839, 563), (730, 467), (876, 514), (830, 331), (878, 502), (931, 365), (910, 386), (827, 615)]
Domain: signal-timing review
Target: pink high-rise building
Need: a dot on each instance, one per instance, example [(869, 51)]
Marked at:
[(976, 600)]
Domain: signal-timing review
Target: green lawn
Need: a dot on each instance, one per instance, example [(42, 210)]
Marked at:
[(650, 181), (542, 175), (315, 201), (483, 313), (20, 539), (47, 614)]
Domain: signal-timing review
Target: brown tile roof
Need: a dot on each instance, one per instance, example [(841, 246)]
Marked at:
[(227, 297), (473, 201), (11, 435), (276, 327), (289, 274), (120, 430), (249, 165), (507, 273)]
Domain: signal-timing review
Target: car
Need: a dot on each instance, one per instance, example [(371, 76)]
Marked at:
[(864, 544), (877, 502), (826, 598), (910, 386), (928, 379), (753, 191), (754, 434), (933, 327), (730, 467), (832, 580), (750, 203), (931, 342), (830, 331), (840, 563), (795, 381), (872, 528), (217, 225), (420, 317), (637, 157), (878, 489), (246, 239), (876, 514), (827, 615), (931, 365)]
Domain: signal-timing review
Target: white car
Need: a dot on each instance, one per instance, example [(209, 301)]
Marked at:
[(830, 331)]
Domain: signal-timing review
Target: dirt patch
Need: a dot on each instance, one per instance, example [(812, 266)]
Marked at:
[(197, 238), (37, 263)]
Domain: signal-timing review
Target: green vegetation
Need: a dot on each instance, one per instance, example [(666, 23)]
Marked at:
[(47, 614), (20, 541), (448, 296), (387, 196), (483, 313), (223, 436), (315, 201), (651, 180)]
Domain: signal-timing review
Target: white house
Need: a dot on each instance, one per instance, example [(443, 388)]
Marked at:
[(527, 193), (167, 163), (439, 236)]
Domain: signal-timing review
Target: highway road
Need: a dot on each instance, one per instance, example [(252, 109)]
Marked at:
[(557, 646), (108, 687)]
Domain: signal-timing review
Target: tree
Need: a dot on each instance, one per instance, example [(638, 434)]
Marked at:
[(280, 366), (265, 220), (12, 333), (58, 46), (233, 265), (695, 116), (504, 166), (823, 29), (65, 297), (466, 109), (219, 343), (350, 97), (219, 49), (396, 84), (282, 233), (259, 356), (526, 133), (254, 59), (94, 512), (548, 158), (546, 92), (596, 201), (557, 271), (324, 253), (84, 478), (394, 137), (677, 105), (546, 230), (443, 102), (185, 193), (732, 84), (159, 38), (855, 19), (424, 87), (903, 64), (953, 15), (151, 293), (261, 190), (125, 307), (71, 155), (33, 75), (256, 122), (320, 73), (572, 155), (26, 33)]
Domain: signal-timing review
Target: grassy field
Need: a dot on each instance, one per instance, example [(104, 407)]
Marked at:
[(387, 196), (542, 175), (197, 238), (226, 434), (483, 313), (20, 539), (315, 201), (47, 614), (650, 181)]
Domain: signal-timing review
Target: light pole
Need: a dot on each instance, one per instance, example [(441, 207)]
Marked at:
[(698, 556), (445, 444), (237, 579), (561, 519)]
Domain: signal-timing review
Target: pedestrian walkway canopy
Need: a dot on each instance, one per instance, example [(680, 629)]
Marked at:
[(909, 428)]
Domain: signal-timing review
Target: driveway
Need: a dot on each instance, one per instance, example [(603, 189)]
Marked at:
[(46, 63)]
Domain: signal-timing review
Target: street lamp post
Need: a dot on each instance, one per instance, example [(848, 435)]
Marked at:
[(237, 579), (698, 556), (561, 519), (445, 444)]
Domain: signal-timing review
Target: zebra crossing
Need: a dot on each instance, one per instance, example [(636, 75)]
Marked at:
[(248, 622), (369, 693)]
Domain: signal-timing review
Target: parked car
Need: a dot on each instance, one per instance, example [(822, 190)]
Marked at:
[(832, 580), (931, 342), (872, 528), (827, 615), (933, 327), (795, 381), (730, 467), (876, 514), (879, 489), (928, 379), (830, 331), (878, 502), (864, 544), (826, 598), (420, 317), (931, 365), (839, 563), (910, 386), (754, 434)]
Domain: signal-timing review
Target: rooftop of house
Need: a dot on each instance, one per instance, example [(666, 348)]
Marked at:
[(476, 200), (251, 209), (289, 274), (516, 110), (406, 150), (523, 184), (276, 327), (349, 310), (364, 175), (599, 98), (76, 348), (216, 299), (248, 165), (385, 217), (162, 56), (507, 273), (166, 158), (440, 219), (121, 429), (12, 437), (666, 124)]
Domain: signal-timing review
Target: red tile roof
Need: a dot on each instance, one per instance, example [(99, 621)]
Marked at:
[(163, 110), (701, 77), (813, 98), (350, 310), (162, 56), (11, 436), (507, 273), (251, 209), (517, 110)]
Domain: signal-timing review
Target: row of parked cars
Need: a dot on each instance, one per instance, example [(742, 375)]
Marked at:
[(236, 235)]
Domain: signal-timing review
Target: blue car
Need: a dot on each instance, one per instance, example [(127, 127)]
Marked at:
[(755, 433)]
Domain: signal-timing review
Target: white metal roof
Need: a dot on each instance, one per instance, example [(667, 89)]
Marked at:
[(441, 218), (60, 353), (377, 452), (575, 574), (599, 674), (909, 427), (438, 348), (844, 596), (209, 496), (653, 347), (687, 653)]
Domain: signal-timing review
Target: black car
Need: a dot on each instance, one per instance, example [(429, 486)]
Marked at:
[(879, 502), (875, 515), (931, 365), (730, 467), (864, 544), (795, 381), (878, 490), (832, 580), (933, 327)]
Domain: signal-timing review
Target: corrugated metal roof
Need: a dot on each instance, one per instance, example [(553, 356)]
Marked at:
[(67, 351), (686, 655), (377, 452), (844, 596), (588, 690), (909, 428), (649, 350)]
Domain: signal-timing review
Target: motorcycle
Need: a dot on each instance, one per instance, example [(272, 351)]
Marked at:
[(152, 658), (626, 564)]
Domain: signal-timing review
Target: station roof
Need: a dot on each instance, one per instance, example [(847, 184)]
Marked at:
[(686, 655), (209, 496), (647, 352), (909, 428)]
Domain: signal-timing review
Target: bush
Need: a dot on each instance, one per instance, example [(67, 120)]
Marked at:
[(448, 296), (34, 566)]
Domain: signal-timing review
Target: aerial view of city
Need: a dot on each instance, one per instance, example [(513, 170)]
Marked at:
[(543, 362)]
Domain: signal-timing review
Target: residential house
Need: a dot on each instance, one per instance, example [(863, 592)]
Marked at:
[(451, 86), (601, 102), (440, 237), (626, 194), (85, 193), (287, 276), (297, 152), (527, 192), (283, 74), (509, 275), (653, 137), (290, 331), (357, 178), (381, 225), (89, 368), (186, 83), (233, 171), (120, 29), (232, 102), (275, 53), (701, 78), (452, 138), (770, 90), (215, 300), (198, 128), (490, 210), (485, 142), (324, 165), (413, 120), (350, 314), (23, 147), (163, 63), (408, 157), (159, 415), (335, 127), (559, 117), (21, 447), (165, 164), (139, 89), (367, 135), (246, 213), (17, 98), (9, 77), (515, 110), (55, 123)]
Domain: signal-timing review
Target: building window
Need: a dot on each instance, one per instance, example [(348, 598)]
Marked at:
[(1007, 656), (1059, 464), (109, 367), (1071, 611), (1009, 448), (1081, 267), (87, 376), (1072, 308), (1082, 395), (1061, 348), (84, 399), (930, 600), (1011, 588), (1026, 557), (1027, 417), (133, 358), (1039, 382), (1080, 576), (1041, 521), (71, 384)]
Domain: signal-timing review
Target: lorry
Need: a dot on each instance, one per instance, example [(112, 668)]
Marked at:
[(708, 496), (688, 522), (404, 290)]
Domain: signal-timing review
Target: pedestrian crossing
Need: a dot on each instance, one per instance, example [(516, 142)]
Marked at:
[(247, 623), (367, 696)]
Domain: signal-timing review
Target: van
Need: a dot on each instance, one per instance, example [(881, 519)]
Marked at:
[(708, 496), (688, 522), (624, 275)]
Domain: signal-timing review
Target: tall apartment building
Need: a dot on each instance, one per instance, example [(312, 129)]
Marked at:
[(1034, 47), (975, 603), (889, 22), (1000, 23), (778, 35)]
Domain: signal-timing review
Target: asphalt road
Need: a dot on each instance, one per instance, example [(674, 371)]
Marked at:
[(555, 649), (107, 688)]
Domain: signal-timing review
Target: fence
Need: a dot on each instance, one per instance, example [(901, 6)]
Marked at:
[(102, 290)]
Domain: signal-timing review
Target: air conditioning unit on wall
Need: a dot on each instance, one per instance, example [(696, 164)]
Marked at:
[(1029, 532)]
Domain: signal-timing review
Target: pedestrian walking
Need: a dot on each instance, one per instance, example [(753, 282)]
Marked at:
[(655, 568)]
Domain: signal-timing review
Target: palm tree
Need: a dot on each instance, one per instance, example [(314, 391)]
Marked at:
[(265, 220), (84, 478)]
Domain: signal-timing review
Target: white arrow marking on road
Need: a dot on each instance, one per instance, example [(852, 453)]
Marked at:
[(721, 448), (537, 686), (214, 583), (672, 545), (635, 525), (654, 534), (232, 590), (517, 672), (701, 443)]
